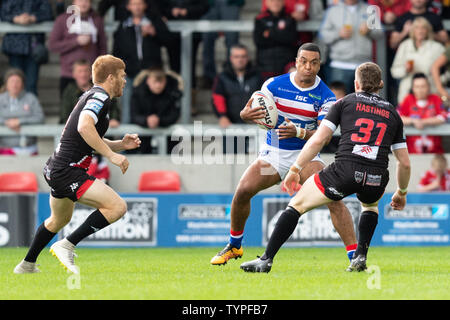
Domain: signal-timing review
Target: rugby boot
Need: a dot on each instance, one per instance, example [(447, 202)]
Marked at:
[(229, 252), (64, 251), (358, 264), (26, 267), (257, 265)]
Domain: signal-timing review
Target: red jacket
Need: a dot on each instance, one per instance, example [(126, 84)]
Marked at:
[(433, 108), (430, 176)]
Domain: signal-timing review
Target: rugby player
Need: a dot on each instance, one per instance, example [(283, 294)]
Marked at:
[(370, 126), (303, 100), (65, 170)]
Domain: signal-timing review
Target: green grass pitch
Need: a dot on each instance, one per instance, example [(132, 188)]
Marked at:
[(185, 274)]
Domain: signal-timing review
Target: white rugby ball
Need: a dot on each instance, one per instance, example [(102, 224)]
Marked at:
[(260, 99)]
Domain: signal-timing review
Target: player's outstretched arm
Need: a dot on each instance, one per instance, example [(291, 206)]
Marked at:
[(86, 128), (128, 142), (403, 175)]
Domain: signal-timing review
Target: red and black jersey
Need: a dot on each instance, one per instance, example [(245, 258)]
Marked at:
[(370, 126), (72, 150)]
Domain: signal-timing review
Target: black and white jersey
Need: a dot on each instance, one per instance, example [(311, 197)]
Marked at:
[(72, 150), (370, 126)]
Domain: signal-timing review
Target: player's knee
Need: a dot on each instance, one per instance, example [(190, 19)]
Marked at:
[(337, 208), (121, 208), (244, 193)]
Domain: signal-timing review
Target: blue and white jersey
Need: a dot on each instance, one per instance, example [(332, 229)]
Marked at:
[(303, 106)]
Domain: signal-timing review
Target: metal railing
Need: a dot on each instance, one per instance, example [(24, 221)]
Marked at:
[(186, 30), (196, 130)]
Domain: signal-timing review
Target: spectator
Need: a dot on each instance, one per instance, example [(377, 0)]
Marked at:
[(390, 10), (81, 73), (415, 54), (275, 36), (18, 107), (77, 37), (404, 22), (218, 10), (121, 12), (346, 31), (26, 51), (184, 10), (234, 86), (422, 109), (302, 10), (137, 42), (438, 177), (155, 101), (442, 83)]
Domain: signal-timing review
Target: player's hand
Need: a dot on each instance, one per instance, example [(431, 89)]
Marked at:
[(291, 183), (252, 115), (131, 141), (287, 131), (120, 160), (398, 201)]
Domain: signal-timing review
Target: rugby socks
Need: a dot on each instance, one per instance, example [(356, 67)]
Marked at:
[(351, 250), (284, 227), (40, 240), (366, 227), (236, 238), (95, 222)]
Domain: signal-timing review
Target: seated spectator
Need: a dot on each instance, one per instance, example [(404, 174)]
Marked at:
[(26, 51), (275, 36), (390, 10), (234, 86), (81, 72), (346, 32), (421, 109), (18, 107), (99, 168), (438, 177), (419, 8), (137, 42), (74, 41), (155, 101), (218, 10), (415, 54)]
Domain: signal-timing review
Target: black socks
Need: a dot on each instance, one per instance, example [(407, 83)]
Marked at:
[(366, 227), (40, 240), (284, 227), (95, 222)]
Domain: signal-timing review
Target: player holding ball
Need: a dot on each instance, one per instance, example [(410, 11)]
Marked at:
[(302, 100)]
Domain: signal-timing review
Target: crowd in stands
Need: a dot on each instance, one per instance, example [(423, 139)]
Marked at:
[(418, 56)]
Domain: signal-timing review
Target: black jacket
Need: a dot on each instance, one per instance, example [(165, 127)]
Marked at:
[(165, 105), (277, 50), (195, 8), (230, 96), (125, 45)]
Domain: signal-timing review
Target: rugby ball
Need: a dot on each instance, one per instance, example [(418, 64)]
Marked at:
[(260, 99)]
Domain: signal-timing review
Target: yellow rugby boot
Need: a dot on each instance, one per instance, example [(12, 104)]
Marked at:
[(229, 252)]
